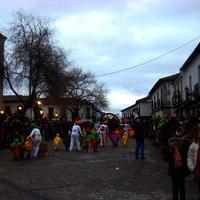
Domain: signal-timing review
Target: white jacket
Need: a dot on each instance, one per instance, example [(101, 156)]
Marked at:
[(192, 156), (76, 130), (36, 135)]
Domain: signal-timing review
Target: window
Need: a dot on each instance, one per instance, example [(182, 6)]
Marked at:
[(190, 83), (7, 109)]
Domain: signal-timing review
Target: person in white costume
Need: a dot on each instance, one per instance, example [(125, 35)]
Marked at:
[(75, 137), (103, 130), (37, 138)]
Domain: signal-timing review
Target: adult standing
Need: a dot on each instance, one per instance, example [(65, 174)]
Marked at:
[(75, 136), (139, 137), (37, 138), (193, 159), (177, 166)]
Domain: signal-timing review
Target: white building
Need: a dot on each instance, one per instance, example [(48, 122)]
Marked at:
[(49, 108), (190, 72), (142, 109), (162, 95)]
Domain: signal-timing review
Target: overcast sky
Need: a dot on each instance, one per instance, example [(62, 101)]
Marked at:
[(110, 35)]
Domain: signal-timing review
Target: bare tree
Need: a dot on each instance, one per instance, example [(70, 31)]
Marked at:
[(37, 65), (33, 60), (83, 89)]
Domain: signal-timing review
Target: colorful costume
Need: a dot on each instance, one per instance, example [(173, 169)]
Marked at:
[(75, 136), (103, 130), (16, 147), (36, 135), (57, 142), (114, 138), (125, 139), (84, 141), (94, 140), (28, 145)]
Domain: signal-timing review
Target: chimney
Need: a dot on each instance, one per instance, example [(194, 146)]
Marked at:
[(2, 40)]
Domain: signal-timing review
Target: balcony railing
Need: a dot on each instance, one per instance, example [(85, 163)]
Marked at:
[(188, 95), (196, 92), (177, 98)]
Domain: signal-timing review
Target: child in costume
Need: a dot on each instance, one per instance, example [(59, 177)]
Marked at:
[(84, 140), (57, 142), (94, 137), (114, 138), (125, 138), (28, 145), (16, 147), (103, 131)]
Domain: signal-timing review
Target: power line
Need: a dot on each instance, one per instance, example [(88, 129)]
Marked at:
[(151, 60)]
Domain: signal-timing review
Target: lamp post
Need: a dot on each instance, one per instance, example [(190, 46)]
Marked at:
[(38, 112)]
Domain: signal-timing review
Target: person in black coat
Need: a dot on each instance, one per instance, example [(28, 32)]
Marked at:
[(139, 137), (176, 156)]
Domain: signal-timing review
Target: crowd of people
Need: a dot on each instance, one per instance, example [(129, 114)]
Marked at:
[(177, 139), (23, 134)]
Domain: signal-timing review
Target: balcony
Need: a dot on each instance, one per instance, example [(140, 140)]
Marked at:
[(177, 98), (188, 94), (196, 92)]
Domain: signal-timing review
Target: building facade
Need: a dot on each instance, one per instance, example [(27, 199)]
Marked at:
[(190, 72), (161, 96), (141, 109), (49, 108)]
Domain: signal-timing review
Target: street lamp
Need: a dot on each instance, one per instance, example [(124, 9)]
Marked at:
[(1, 112), (39, 103), (41, 112), (19, 108)]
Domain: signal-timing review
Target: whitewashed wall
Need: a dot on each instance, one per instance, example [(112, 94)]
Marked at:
[(192, 71), (145, 109)]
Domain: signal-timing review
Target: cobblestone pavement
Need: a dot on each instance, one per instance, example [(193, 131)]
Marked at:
[(112, 173)]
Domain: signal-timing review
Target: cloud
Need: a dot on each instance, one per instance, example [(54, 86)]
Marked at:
[(120, 98), (110, 35)]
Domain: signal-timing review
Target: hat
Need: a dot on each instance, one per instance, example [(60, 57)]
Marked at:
[(77, 121)]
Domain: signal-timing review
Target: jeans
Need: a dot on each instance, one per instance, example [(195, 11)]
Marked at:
[(36, 147), (75, 143), (139, 149)]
